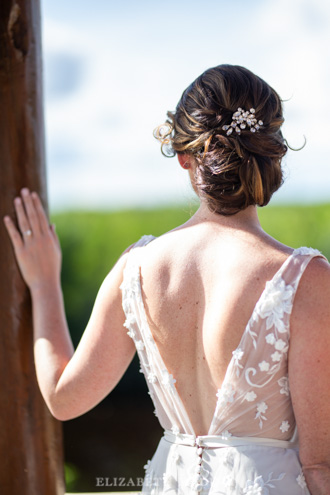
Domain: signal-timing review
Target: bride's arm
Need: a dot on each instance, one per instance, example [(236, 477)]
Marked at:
[(309, 374), (70, 382)]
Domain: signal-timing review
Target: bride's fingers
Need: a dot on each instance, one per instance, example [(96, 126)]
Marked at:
[(31, 213), (42, 218), (14, 235), (23, 222)]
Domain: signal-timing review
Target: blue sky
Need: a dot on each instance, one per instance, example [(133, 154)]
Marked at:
[(112, 69)]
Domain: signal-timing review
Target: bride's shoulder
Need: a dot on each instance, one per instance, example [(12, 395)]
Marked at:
[(165, 254), (317, 273), (163, 243), (313, 293)]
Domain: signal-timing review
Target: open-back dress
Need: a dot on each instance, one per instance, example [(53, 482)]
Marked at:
[(252, 444)]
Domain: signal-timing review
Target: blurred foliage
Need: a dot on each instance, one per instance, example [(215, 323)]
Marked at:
[(92, 242), (72, 476), (294, 225)]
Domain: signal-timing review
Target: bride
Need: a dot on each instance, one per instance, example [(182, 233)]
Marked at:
[(231, 326)]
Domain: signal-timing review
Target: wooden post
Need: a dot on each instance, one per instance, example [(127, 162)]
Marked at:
[(30, 438)]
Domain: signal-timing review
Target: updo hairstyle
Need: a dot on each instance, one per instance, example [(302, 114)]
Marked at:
[(235, 171)]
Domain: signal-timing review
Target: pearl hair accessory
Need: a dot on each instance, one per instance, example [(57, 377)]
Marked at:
[(241, 120)]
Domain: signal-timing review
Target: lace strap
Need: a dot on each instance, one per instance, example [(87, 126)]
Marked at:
[(132, 262), (143, 241), (133, 255), (275, 304), (300, 259)]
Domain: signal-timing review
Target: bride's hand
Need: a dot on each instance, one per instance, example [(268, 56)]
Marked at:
[(36, 244)]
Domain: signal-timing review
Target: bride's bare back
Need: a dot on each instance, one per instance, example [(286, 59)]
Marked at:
[(200, 285)]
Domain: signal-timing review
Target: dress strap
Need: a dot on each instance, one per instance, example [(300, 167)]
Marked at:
[(298, 262), (144, 240), (133, 255)]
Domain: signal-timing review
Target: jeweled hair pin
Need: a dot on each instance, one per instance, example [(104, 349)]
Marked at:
[(242, 120)]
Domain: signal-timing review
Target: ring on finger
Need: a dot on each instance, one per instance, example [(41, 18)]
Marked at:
[(28, 232)]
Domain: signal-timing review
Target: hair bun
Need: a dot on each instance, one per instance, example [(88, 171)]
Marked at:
[(234, 168)]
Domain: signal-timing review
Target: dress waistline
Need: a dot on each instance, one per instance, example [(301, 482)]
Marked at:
[(219, 441)]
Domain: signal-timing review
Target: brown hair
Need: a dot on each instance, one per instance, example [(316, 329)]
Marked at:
[(232, 172)]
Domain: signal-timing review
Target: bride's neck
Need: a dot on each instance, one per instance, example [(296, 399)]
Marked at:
[(246, 219)]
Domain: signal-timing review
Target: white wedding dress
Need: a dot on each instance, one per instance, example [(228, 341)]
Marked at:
[(252, 445)]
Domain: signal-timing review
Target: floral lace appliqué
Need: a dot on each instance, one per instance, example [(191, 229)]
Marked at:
[(307, 251), (131, 333), (152, 378), (167, 380), (250, 396), (284, 385), (170, 483), (281, 347), (225, 394), (229, 458), (285, 426), (139, 345), (276, 300), (175, 429), (301, 480), (270, 339), (230, 483), (225, 435), (261, 410), (264, 366), (260, 487), (237, 356)]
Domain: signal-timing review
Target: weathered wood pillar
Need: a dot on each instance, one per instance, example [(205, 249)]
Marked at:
[(31, 460)]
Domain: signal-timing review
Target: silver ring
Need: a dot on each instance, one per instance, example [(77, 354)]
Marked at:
[(27, 232)]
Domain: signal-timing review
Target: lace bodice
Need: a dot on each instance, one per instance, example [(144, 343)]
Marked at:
[(254, 398), (256, 385)]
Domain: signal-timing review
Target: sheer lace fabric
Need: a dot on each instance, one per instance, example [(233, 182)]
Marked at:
[(251, 446)]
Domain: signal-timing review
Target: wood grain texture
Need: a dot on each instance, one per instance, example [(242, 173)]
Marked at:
[(30, 438)]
